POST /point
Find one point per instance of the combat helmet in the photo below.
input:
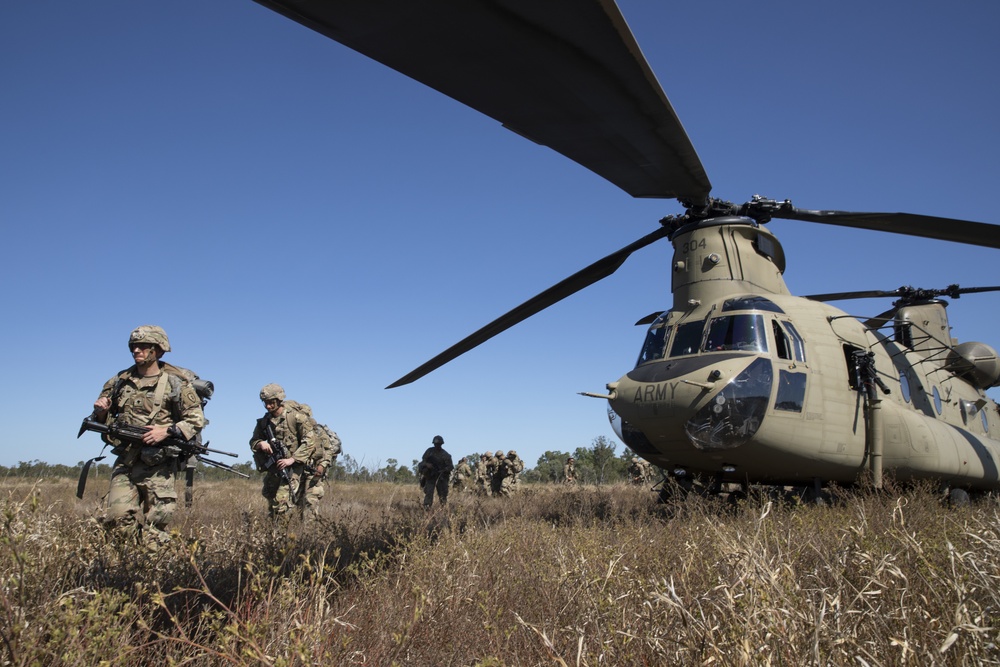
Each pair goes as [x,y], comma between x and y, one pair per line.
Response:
[148,333]
[487,455]
[512,454]
[272,391]
[438,440]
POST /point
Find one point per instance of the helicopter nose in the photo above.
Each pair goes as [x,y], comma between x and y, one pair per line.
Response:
[712,404]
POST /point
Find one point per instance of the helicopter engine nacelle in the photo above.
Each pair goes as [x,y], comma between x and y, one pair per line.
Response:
[976,362]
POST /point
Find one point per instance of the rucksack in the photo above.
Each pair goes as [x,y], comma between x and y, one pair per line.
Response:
[327,437]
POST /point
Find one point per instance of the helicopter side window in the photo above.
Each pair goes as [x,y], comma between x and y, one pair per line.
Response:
[744,333]
[765,246]
[791,391]
[798,347]
[655,344]
[782,346]
[687,338]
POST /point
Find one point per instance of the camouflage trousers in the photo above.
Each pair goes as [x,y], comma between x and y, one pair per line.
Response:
[142,499]
[505,486]
[309,491]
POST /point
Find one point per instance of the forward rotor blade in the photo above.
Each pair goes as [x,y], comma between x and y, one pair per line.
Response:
[599,270]
[840,296]
[567,74]
[910,224]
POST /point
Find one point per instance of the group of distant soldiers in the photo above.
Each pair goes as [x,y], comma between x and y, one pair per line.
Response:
[494,474]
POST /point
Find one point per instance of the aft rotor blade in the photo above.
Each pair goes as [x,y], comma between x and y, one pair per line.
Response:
[599,270]
[910,224]
[880,321]
[568,75]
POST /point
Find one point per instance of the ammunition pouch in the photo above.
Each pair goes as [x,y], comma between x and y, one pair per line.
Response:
[154,456]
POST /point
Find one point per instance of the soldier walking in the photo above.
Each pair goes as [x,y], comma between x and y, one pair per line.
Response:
[158,396]
[569,471]
[292,433]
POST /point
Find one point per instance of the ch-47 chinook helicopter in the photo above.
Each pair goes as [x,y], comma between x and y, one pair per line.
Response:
[739,381]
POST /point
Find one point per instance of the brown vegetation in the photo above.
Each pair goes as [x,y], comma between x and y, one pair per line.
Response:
[582,576]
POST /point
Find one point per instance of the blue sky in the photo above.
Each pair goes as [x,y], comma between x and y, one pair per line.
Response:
[292,212]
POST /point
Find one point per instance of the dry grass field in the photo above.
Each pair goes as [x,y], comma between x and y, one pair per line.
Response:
[555,576]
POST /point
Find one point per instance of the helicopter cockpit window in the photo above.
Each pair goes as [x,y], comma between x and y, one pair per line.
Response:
[655,344]
[743,333]
[686,339]
[751,303]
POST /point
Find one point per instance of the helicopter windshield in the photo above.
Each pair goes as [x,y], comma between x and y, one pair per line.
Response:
[656,342]
[687,339]
[743,333]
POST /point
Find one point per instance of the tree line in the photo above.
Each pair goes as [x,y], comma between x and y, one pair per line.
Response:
[595,464]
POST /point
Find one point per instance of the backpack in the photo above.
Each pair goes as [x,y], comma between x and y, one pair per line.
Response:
[328,439]
[204,389]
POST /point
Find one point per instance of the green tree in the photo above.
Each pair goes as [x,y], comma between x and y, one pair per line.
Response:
[393,472]
[548,470]
[602,458]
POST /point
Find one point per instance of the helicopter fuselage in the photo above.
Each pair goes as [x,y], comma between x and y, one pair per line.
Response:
[744,381]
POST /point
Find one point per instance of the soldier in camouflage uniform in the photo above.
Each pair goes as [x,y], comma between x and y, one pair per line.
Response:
[512,466]
[569,471]
[150,393]
[647,470]
[636,473]
[323,457]
[498,472]
[483,474]
[435,470]
[462,477]
[295,430]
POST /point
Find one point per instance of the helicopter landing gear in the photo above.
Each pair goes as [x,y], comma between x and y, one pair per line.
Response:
[958,498]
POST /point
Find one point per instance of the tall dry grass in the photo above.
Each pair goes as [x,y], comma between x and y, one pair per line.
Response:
[584,576]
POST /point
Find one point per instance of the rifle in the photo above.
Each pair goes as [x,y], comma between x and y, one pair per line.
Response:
[133,435]
[278,452]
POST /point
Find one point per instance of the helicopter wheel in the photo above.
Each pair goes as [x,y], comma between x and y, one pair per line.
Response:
[959,498]
[736,497]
